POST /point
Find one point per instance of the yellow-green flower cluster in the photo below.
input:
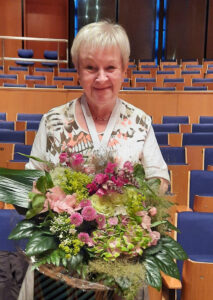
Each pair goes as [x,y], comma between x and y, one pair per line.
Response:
[71,246]
[71,182]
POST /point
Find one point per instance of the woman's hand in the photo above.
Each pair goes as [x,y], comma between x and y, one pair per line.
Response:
[164,184]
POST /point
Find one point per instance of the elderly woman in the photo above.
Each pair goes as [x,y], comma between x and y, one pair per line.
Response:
[99,122]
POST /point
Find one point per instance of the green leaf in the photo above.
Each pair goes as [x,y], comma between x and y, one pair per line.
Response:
[153,249]
[24,229]
[153,276]
[16,184]
[123,283]
[38,201]
[40,243]
[157,223]
[174,248]
[171,226]
[166,264]
[75,260]
[36,158]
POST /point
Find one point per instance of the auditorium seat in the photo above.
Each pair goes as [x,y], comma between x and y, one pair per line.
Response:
[161,75]
[203,82]
[174,155]
[163,89]
[175,68]
[73,87]
[24,149]
[184,62]
[175,119]
[47,72]
[162,138]
[130,70]
[61,81]
[28,117]
[195,68]
[166,127]
[178,83]
[69,72]
[14,85]
[126,82]
[148,83]
[31,80]
[10,136]
[8,78]
[196,238]
[134,88]
[139,74]
[198,139]
[208,159]
[152,68]
[188,75]
[50,55]
[167,62]
[195,88]
[20,71]
[7,125]
[201,190]
[205,120]
[32,125]
[27,54]
[3,116]
[43,86]
[202,128]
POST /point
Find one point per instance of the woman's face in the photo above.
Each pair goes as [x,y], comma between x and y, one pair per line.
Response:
[101,74]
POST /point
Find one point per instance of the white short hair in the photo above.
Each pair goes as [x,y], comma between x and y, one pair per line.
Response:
[101,34]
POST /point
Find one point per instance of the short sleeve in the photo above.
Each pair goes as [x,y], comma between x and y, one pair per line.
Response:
[152,159]
[39,147]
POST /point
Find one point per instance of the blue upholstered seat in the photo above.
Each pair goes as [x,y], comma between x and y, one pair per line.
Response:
[49,54]
[162,138]
[206,119]
[126,88]
[195,88]
[166,127]
[6,125]
[14,85]
[202,128]
[175,119]
[25,53]
[169,88]
[197,139]
[43,86]
[25,149]
[10,136]
[32,125]
[174,155]
[29,117]
[208,157]
[73,87]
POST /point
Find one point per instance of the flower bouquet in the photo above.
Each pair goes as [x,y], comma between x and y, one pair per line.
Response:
[99,226]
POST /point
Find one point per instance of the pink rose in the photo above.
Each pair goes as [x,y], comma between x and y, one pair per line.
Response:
[146,222]
[100,178]
[155,236]
[153,211]
[63,157]
[77,159]
[113,221]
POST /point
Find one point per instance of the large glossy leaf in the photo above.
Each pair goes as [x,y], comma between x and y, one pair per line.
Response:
[153,276]
[174,249]
[166,264]
[16,184]
[40,243]
[24,229]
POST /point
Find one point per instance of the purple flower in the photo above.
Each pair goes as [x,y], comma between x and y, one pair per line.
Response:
[113,221]
[63,157]
[76,219]
[110,168]
[84,237]
[85,202]
[88,213]
[128,165]
[101,221]
[101,178]
[77,159]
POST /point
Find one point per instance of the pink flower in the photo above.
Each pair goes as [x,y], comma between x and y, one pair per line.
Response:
[90,243]
[101,221]
[101,192]
[92,187]
[118,181]
[69,205]
[146,222]
[88,213]
[77,159]
[113,221]
[76,219]
[101,178]
[153,211]
[85,202]
[110,168]
[128,165]
[89,169]
[84,237]
[124,220]
[141,213]
[63,157]
[155,236]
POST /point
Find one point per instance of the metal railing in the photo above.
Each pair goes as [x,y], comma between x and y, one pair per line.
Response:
[58,41]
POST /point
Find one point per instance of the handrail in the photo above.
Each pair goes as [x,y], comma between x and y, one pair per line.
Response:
[58,61]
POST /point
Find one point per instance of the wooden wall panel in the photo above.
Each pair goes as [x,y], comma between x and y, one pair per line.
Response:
[156,104]
[46,19]
[10,25]
[138,18]
[209,46]
[186,20]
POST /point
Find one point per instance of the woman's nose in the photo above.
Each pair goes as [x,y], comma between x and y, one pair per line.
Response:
[101,76]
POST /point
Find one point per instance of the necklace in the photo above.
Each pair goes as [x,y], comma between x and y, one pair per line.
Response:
[101,119]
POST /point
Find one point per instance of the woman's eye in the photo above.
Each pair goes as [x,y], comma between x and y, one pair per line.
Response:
[110,68]
[90,68]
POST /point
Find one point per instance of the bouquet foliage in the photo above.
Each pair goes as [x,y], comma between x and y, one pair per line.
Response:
[102,223]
